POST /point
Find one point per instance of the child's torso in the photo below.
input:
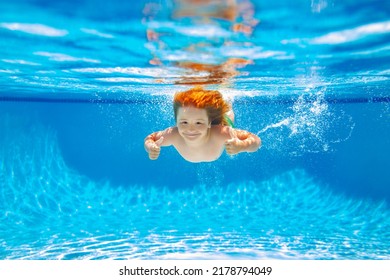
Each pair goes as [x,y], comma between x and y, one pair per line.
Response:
[209,151]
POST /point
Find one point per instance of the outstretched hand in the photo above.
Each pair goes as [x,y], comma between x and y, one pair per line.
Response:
[154,148]
[234,144]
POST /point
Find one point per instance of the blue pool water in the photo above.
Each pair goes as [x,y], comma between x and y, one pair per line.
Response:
[83,82]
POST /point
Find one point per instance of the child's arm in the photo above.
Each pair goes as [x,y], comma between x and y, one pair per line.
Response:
[154,141]
[242,141]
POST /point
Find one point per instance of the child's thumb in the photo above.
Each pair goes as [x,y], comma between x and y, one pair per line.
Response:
[159,141]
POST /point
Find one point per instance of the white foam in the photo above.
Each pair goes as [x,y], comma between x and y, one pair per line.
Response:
[34,28]
[8,71]
[65,57]
[204,31]
[370,52]
[354,34]
[254,53]
[20,61]
[97,33]
[125,80]
[166,72]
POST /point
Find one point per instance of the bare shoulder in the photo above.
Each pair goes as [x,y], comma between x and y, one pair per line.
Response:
[170,134]
[226,132]
[221,132]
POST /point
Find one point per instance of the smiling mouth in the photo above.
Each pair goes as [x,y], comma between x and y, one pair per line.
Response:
[191,136]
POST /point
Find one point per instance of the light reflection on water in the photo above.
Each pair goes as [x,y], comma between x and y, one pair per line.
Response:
[231,43]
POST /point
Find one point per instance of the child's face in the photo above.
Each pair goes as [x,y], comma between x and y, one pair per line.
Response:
[192,123]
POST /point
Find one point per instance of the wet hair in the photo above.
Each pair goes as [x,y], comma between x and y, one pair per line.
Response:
[211,100]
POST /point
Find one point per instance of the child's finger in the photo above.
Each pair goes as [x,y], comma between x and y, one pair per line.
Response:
[155,149]
[159,141]
[232,133]
[153,156]
[229,142]
[154,153]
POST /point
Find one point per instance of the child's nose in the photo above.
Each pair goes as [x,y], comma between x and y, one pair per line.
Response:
[192,127]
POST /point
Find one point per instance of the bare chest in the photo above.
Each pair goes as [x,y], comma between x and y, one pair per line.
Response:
[204,153]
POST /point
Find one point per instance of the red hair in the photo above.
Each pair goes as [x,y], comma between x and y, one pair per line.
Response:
[211,100]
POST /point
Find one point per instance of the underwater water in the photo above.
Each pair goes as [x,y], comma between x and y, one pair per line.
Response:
[82,84]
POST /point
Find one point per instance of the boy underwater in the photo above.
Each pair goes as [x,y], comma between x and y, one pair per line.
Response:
[204,128]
